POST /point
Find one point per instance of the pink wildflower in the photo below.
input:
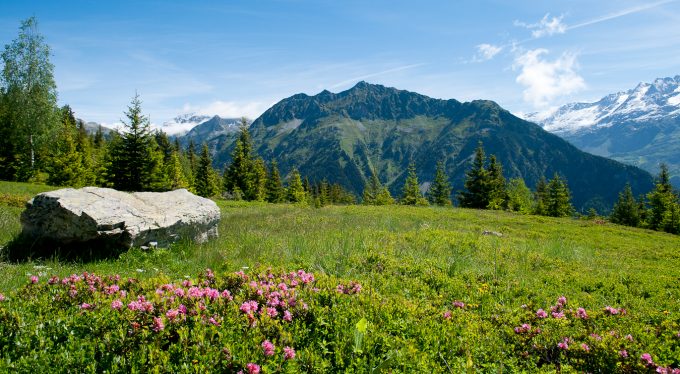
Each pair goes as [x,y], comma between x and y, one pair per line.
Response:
[585,347]
[458,304]
[212,294]
[629,337]
[563,345]
[596,337]
[209,274]
[85,306]
[182,309]
[558,315]
[186,283]
[253,368]
[340,288]
[271,312]
[116,304]
[227,295]
[282,286]
[541,313]
[268,348]
[647,359]
[158,324]
[53,280]
[287,316]
[611,311]
[34,279]
[288,353]
[562,301]
[2,297]
[447,314]
[172,314]
[581,313]
[623,353]
[179,292]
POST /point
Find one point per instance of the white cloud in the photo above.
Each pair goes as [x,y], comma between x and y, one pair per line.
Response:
[486,52]
[546,80]
[547,26]
[228,109]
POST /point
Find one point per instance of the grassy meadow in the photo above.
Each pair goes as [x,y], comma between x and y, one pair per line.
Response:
[436,294]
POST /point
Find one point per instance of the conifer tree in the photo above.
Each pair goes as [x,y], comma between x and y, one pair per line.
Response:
[371,189]
[274,188]
[204,181]
[259,176]
[66,165]
[625,211]
[239,177]
[519,196]
[476,194]
[191,157]
[411,191]
[541,197]
[440,192]
[296,191]
[559,198]
[496,185]
[661,200]
[176,178]
[133,161]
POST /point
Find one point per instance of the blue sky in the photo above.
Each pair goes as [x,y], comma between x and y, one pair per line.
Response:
[236,58]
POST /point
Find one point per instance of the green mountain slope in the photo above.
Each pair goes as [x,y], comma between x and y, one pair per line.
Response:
[340,137]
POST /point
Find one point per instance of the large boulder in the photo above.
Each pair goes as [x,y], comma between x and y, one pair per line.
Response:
[119,219]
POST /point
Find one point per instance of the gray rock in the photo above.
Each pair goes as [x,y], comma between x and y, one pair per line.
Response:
[119,219]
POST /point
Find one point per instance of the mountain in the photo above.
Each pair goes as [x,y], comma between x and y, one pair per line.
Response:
[216,132]
[182,124]
[640,126]
[343,136]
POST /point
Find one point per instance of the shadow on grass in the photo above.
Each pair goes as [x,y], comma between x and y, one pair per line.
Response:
[24,248]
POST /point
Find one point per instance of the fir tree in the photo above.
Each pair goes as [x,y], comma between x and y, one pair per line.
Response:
[296,191]
[259,176]
[541,197]
[204,181]
[496,185]
[372,188]
[238,176]
[191,157]
[559,198]
[66,166]
[411,191]
[519,198]
[476,194]
[275,192]
[661,200]
[176,178]
[625,211]
[133,161]
[440,192]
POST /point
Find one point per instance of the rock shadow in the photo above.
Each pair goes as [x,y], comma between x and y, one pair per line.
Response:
[24,248]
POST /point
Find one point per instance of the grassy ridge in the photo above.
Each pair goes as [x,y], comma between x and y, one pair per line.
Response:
[414,262]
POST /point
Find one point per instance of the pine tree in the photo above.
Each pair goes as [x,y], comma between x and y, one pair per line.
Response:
[372,188]
[28,104]
[66,166]
[519,196]
[625,211]
[661,200]
[496,185]
[440,192]
[274,188]
[191,157]
[559,198]
[238,176]
[259,176]
[296,192]
[541,197]
[411,191]
[476,194]
[133,160]
[204,181]
[176,178]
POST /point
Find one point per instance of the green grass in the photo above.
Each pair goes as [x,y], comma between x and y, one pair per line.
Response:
[410,258]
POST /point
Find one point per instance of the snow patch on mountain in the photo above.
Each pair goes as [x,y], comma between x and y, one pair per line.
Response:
[648,101]
[183,123]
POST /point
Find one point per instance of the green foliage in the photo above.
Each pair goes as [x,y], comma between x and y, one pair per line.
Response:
[663,205]
[519,195]
[296,191]
[558,202]
[476,194]
[375,193]
[240,175]
[440,191]
[174,172]
[541,197]
[626,210]
[496,185]
[259,175]
[28,104]
[69,164]
[275,193]
[410,193]
[135,159]
[205,181]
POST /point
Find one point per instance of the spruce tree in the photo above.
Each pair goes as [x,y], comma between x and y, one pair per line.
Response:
[66,164]
[541,197]
[176,178]
[275,192]
[259,184]
[476,194]
[372,188]
[238,176]
[440,192]
[133,161]
[559,198]
[661,200]
[411,191]
[296,191]
[625,211]
[519,196]
[496,185]
[204,182]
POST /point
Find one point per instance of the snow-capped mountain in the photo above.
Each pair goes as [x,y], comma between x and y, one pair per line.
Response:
[183,123]
[657,101]
[640,126]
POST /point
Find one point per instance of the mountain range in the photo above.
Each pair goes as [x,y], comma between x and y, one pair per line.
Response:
[342,137]
[640,126]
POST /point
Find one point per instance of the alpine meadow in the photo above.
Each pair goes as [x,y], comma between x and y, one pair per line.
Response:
[366,230]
